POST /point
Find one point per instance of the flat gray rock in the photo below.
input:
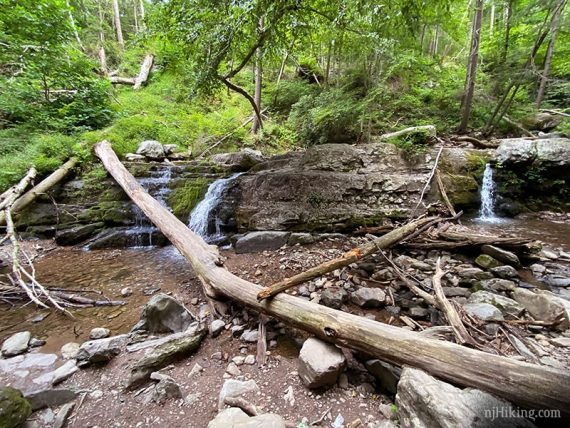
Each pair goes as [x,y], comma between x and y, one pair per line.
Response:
[164,314]
[484,311]
[366,297]
[236,388]
[100,351]
[99,333]
[255,242]
[50,397]
[507,306]
[16,344]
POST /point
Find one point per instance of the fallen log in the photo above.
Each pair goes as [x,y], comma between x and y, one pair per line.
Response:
[145,71]
[384,241]
[46,184]
[8,198]
[428,131]
[118,80]
[480,144]
[524,384]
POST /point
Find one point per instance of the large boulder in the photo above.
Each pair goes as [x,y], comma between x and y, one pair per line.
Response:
[540,152]
[425,402]
[14,408]
[385,373]
[320,363]
[544,307]
[542,121]
[255,242]
[238,161]
[152,150]
[16,344]
[164,314]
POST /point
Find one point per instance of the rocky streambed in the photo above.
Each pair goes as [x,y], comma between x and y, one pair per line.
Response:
[292,387]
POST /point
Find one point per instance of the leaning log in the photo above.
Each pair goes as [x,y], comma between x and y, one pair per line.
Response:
[427,131]
[118,80]
[144,72]
[46,184]
[522,383]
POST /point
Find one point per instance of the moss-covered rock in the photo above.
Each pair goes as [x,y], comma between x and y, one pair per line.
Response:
[186,196]
[14,408]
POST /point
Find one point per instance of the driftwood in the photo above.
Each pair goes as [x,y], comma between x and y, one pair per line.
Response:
[10,196]
[454,240]
[443,193]
[46,184]
[522,383]
[433,170]
[347,258]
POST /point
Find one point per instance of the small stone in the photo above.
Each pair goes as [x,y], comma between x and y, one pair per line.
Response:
[537,268]
[69,350]
[334,297]
[35,343]
[486,261]
[368,297]
[216,327]
[507,306]
[96,395]
[195,370]
[238,360]
[233,369]
[484,311]
[250,359]
[418,312]
[505,272]
[237,330]
[236,388]
[498,284]
[16,344]
[250,336]
[126,292]
[563,342]
[99,333]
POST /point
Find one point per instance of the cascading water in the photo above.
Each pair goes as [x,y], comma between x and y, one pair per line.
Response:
[487,211]
[157,186]
[200,215]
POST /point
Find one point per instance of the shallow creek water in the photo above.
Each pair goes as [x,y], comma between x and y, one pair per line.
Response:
[108,271]
[146,270]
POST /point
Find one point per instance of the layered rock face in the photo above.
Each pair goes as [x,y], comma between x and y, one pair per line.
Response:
[533,174]
[338,187]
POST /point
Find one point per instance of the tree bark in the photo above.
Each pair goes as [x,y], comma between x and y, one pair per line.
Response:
[522,383]
[146,66]
[75,33]
[118,80]
[549,52]
[118,29]
[257,121]
[31,195]
[471,68]
[492,20]
[508,13]
[101,50]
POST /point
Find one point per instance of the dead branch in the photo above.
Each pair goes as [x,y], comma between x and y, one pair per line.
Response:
[443,194]
[428,180]
[347,258]
[476,142]
[8,198]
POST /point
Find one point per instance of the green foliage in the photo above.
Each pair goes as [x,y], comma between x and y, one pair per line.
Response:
[330,117]
[287,93]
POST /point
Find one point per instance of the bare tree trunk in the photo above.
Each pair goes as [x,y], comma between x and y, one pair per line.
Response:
[471,68]
[435,41]
[549,52]
[508,14]
[328,64]
[522,383]
[141,10]
[135,16]
[146,66]
[257,124]
[101,52]
[75,33]
[118,29]
[492,20]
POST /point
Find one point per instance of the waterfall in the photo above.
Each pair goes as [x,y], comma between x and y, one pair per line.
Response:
[487,211]
[200,216]
[157,185]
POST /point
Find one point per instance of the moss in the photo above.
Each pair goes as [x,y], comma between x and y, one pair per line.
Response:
[184,198]
[14,409]
[461,189]
[476,163]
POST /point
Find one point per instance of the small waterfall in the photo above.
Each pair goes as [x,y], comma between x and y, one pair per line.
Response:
[200,216]
[487,211]
[157,186]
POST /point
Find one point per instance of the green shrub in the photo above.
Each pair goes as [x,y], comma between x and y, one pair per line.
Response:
[288,93]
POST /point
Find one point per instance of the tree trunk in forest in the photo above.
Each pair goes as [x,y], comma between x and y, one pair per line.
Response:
[118,80]
[549,52]
[508,14]
[141,10]
[471,68]
[118,29]
[31,195]
[257,124]
[522,383]
[101,50]
[135,16]
[75,33]
[492,20]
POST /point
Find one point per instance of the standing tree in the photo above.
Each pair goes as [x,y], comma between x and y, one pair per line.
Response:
[257,123]
[467,100]
[549,52]
[118,29]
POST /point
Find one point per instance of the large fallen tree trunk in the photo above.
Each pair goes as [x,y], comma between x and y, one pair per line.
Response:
[46,184]
[523,383]
[145,71]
